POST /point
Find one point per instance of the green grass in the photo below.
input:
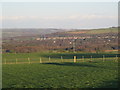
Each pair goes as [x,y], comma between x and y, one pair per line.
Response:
[99,31]
[105,30]
[54,57]
[57,74]
[61,75]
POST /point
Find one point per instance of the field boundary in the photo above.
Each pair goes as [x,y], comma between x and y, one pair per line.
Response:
[58,60]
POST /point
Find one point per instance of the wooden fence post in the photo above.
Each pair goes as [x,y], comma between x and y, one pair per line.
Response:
[29,60]
[40,60]
[74,59]
[49,58]
[83,58]
[116,59]
[61,59]
[103,58]
[91,58]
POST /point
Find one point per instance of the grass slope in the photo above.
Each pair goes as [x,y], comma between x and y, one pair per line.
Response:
[61,75]
[56,55]
[35,57]
[96,31]
[104,30]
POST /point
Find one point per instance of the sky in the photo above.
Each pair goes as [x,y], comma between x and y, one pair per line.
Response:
[66,15]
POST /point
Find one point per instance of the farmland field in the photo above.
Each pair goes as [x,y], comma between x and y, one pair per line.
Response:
[66,74]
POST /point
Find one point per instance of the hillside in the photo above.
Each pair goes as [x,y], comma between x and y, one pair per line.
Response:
[104,30]
[7,33]
[95,31]
[84,32]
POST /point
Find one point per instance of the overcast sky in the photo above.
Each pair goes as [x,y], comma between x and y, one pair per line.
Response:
[67,15]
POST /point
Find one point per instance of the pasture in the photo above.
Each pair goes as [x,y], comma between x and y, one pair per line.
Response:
[55,73]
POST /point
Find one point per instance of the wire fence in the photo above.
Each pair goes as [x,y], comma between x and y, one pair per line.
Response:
[60,59]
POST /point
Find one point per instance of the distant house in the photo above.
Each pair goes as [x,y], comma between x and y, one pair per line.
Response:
[37,38]
[113,36]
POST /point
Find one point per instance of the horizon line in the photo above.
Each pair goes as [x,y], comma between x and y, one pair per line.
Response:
[60,28]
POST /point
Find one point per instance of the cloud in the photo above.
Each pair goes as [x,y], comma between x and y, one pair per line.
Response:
[91,17]
[98,17]
[70,17]
[17,17]
[69,21]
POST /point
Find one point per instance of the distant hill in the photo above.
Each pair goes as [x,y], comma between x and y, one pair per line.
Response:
[83,32]
[6,33]
[103,30]
[95,31]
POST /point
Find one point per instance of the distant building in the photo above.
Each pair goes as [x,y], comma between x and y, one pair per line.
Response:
[37,38]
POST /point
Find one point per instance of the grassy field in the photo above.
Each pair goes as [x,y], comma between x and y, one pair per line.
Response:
[35,57]
[95,74]
[96,31]
[106,30]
